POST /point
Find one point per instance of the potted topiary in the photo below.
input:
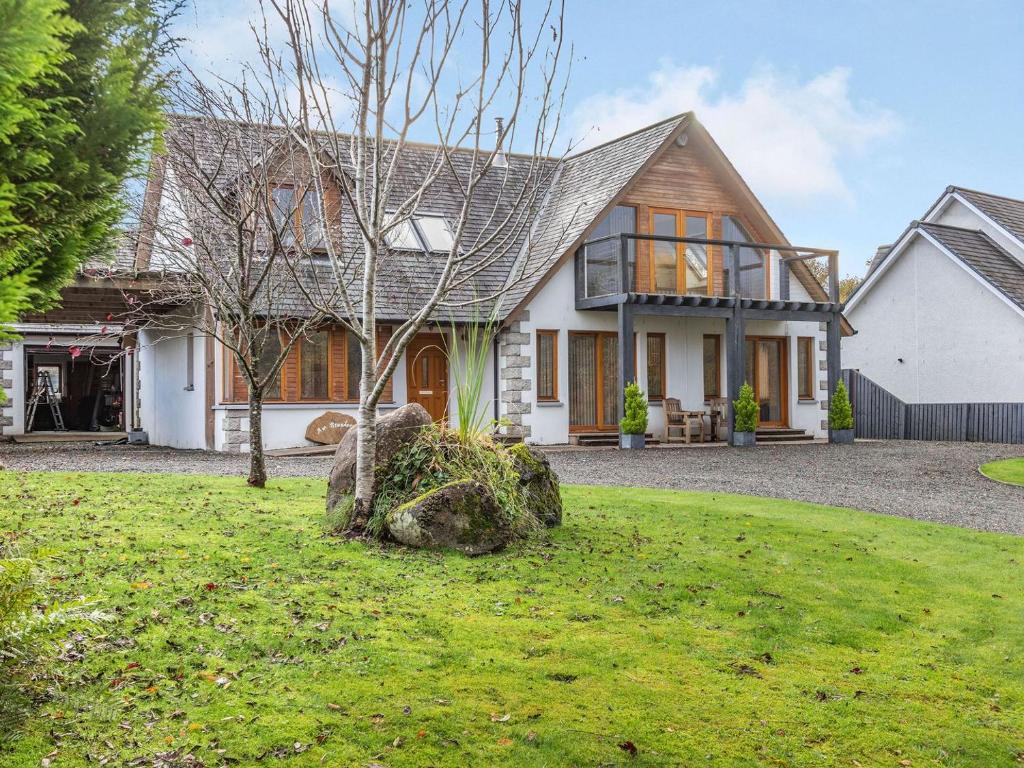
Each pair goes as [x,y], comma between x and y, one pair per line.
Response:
[840,416]
[633,426]
[745,428]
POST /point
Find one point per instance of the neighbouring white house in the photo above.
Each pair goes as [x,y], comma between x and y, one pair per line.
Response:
[940,314]
[650,259]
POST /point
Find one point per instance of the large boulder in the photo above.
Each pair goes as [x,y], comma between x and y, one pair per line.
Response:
[461,515]
[329,427]
[394,430]
[539,483]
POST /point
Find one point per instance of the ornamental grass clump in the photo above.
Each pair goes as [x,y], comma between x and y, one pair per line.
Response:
[635,420]
[746,410]
[840,412]
[468,348]
[439,456]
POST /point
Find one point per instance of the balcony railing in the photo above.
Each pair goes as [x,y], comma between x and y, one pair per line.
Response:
[699,266]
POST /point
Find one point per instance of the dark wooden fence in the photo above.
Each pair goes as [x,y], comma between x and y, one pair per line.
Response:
[879,414]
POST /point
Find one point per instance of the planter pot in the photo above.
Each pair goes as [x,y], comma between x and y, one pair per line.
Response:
[631,441]
[841,436]
[138,437]
[744,439]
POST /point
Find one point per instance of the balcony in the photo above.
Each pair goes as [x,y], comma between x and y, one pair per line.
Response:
[709,274]
[734,280]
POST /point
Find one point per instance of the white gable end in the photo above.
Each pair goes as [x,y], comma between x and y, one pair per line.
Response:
[929,331]
[954,211]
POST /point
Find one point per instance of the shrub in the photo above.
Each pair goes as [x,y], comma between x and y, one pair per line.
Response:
[29,627]
[746,409]
[635,420]
[439,456]
[840,412]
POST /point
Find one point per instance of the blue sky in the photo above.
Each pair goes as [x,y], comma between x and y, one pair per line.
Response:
[847,118]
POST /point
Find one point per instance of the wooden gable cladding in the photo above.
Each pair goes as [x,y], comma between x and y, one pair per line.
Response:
[340,389]
[683,180]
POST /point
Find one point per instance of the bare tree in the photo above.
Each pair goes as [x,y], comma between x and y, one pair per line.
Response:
[241,221]
[355,91]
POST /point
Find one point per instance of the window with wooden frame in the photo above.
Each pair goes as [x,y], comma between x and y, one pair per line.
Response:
[656,366]
[298,215]
[547,366]
[314,365]
[805,367]
[322,366]
[712,366]
[755,276]
[679,268]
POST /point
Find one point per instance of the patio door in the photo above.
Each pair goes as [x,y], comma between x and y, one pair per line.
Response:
[766,373]
[593,381]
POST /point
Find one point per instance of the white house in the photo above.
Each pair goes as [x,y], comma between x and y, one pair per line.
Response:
[940,315]
[650,259]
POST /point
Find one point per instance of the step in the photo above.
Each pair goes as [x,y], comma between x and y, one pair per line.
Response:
[783,435]
[601,438]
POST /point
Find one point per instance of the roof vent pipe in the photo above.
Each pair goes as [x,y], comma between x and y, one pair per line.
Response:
[500,161]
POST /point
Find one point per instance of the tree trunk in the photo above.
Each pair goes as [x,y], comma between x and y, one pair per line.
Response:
[366,455]
[366,443]
[257,462]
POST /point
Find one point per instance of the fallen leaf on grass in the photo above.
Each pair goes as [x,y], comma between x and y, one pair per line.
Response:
[496,718]
[630,747]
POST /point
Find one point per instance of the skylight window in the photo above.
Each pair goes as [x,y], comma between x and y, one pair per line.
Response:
[403,237]
[435,232]
[427,232]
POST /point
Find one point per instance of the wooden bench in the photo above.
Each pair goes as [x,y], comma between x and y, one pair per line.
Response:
[686,424]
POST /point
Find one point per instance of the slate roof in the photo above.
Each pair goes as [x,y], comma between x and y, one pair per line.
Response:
[984,256]
[586,184]
[1005,211]
[406,278]
[123,257]
[572,194]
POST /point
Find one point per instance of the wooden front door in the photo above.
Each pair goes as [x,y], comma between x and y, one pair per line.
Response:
[766,373]
[427,374]
[593,381]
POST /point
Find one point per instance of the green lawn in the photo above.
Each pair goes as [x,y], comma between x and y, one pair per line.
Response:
[696,628]
[1005,470]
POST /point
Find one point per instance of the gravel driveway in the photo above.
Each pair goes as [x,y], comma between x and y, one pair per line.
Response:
[927,481]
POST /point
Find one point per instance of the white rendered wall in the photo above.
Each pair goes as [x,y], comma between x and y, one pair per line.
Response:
[554,309]
[959,342]
[171,414]
[284,424]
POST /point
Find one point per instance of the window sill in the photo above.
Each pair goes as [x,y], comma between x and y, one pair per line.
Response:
[806,401]
[658,403]
[342,406]
[550,404]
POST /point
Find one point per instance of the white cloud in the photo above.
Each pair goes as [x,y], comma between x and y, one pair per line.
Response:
[785,137]
[218,37]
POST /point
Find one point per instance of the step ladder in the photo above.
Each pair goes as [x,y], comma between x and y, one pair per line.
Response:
[43,392]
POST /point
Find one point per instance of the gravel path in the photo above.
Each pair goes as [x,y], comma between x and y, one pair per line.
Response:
[927,481]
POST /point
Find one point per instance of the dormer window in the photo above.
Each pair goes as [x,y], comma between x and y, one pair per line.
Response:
[298,216]
[423,232]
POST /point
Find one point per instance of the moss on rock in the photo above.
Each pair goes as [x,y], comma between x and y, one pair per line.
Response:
[539,484]
[461,515]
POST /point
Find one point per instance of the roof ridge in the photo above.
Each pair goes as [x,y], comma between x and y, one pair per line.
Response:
[406,142]
[958,188]
[674,118]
